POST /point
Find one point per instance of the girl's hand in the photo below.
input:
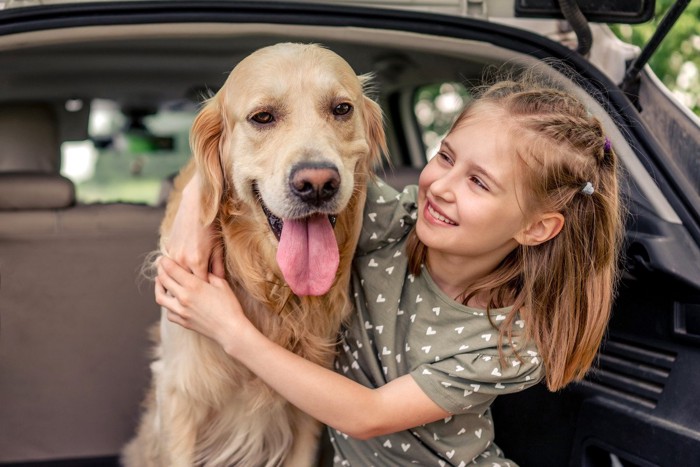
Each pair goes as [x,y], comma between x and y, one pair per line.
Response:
[212,309]
[207,307]
[191,244]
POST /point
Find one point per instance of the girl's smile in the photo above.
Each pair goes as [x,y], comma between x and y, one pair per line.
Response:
[433,214]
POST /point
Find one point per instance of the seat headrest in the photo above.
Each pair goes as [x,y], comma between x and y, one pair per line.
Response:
[30,139]
[35,190]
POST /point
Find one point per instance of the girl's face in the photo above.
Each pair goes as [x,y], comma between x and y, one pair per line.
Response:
[468,198]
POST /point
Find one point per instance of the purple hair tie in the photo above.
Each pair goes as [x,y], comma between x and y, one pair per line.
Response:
[608,145]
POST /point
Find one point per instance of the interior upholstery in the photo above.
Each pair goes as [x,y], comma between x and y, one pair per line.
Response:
[30,137]
[35,190]
[74,334]
[74,310]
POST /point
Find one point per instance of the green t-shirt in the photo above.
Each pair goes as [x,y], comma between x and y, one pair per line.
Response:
[404,324]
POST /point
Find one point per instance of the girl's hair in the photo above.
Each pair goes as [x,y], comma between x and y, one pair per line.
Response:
[563,287]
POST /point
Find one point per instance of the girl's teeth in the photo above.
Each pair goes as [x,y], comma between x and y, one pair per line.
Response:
[439,216]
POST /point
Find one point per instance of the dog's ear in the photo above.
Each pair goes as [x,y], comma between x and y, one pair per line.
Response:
[374,123]
[374,129]
[206,141]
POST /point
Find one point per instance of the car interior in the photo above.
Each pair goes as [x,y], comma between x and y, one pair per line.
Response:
[76,310]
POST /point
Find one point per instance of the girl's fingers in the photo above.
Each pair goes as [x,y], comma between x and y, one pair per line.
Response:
[169,283]
[170,303]
[161,293]
[175,318]
[166,299]
[178,274]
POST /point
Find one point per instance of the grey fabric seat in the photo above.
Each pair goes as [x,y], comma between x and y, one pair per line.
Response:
[29,138]
[74,315]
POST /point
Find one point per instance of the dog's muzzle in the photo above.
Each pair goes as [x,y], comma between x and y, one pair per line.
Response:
[276,224]
[307,251]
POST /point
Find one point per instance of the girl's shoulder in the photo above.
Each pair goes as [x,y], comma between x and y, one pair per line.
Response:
[388,215]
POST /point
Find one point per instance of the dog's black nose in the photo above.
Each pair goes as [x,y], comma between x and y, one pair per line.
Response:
[314,183]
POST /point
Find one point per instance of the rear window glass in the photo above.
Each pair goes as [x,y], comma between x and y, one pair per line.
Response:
[436,106]
[129,153]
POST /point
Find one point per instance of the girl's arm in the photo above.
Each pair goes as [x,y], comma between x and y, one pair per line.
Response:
[212,309]
[191,244]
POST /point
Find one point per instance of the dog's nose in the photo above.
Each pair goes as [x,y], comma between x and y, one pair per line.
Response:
[314,184]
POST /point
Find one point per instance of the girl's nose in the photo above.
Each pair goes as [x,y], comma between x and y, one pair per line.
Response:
[443,187]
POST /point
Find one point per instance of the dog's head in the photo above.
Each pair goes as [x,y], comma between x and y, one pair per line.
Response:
[289,133]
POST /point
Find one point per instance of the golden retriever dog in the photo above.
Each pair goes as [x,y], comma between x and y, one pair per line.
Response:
[284,152]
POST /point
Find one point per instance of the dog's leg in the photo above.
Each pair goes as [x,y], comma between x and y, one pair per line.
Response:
[305,449]
[167,433]
[166,437]
[180,417]
[142,450]
[179,395]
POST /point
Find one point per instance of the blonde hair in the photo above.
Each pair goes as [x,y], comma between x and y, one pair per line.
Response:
[563,287]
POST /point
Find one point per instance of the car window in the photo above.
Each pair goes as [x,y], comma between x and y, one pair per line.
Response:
[676,62]
[130,151]
[436,106]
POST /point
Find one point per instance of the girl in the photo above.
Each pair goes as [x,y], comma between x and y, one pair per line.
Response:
[496,271]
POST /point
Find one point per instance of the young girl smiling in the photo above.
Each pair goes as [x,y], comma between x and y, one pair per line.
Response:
[496,271]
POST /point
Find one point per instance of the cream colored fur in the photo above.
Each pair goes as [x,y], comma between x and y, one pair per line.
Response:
[204,408]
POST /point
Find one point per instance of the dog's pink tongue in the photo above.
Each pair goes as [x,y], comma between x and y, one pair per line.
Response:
[308,255]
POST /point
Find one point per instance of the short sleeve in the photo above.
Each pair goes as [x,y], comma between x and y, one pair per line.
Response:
[388,215]
[469,382]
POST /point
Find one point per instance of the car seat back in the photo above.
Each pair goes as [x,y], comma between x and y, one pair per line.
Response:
[74,313]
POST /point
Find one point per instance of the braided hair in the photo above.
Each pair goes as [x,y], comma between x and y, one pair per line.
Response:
[563,287]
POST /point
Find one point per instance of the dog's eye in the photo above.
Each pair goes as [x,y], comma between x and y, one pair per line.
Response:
[263,118]
[342,109]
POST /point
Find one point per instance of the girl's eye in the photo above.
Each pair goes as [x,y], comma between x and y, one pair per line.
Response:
[478,183]
[342,109]
[263,118]
[444,157]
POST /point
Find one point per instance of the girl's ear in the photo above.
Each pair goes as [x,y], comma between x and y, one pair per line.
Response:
[206,135]
[545,227]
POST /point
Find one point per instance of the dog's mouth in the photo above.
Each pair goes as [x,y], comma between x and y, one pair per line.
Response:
[276,223]
[307,251]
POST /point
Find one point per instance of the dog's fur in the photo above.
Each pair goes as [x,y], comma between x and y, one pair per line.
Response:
[204,408]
